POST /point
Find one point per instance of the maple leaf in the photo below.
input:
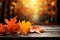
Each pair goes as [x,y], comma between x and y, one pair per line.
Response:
[11,22]
[24,26]
[12,25]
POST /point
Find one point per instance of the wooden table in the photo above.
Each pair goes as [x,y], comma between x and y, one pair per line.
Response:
[50,31]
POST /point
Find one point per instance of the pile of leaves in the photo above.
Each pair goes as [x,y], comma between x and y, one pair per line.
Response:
[21,27]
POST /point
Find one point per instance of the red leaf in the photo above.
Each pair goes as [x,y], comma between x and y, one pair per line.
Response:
[11,22]
[12,26]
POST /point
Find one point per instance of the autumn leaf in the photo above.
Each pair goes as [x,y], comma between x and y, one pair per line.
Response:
[12,25]
[12,21]
[37,29]
[24,26]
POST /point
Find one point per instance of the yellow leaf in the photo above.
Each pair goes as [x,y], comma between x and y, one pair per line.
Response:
[24,26]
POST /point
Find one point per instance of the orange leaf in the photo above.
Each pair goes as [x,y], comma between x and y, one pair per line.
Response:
[11,22]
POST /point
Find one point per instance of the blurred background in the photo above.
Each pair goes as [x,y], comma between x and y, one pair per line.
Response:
[35,11]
